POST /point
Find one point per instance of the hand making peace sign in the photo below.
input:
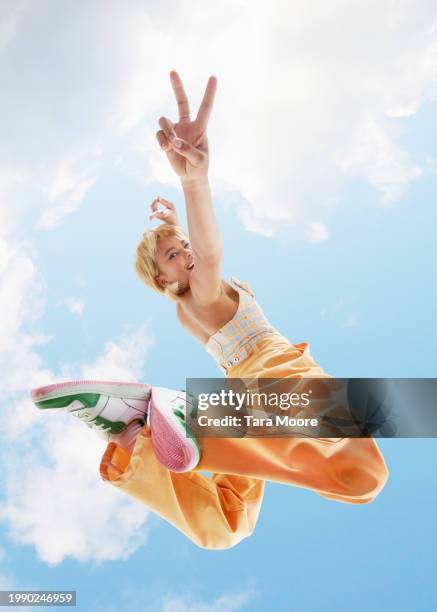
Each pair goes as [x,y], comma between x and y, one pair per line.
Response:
[190,160]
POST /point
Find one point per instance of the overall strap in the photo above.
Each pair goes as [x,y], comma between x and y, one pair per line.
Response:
[238,285]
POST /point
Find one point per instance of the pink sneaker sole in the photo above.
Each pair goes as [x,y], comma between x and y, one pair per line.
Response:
[114,389]
[173,448]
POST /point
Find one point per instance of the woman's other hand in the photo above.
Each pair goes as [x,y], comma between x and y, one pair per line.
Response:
[167,215]
[190,161]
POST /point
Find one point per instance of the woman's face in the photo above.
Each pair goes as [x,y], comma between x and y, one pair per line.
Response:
[175,262]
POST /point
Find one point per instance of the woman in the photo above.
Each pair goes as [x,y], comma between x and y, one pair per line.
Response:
[149,457]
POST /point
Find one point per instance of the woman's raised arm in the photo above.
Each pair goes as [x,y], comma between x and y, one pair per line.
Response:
[186,146]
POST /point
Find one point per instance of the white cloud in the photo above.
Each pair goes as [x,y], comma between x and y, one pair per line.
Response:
[385,166]
[333,85]
[325,82]
[11,15]
[317,232]
[225,603]
[57,460]
[11,181]
[50,476]
[52,159]
[21,304]
[74,305]
[140,599]
[121,360]
[48,506]
[65,193]
[431,164]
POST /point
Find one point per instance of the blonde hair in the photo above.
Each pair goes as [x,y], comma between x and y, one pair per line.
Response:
[145,264]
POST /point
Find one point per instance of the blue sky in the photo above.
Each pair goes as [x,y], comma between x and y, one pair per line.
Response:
[324,188]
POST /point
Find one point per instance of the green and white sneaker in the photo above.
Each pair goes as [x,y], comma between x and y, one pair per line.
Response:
[106,407]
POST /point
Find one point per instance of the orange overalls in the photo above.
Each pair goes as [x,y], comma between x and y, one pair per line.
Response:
[220,511]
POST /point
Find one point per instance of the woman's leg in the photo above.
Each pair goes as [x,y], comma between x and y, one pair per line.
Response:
[214,513]
[218,513]
[350,470]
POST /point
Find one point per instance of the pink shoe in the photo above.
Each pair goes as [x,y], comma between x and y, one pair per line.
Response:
[109,407]
[173,447]
[106,407]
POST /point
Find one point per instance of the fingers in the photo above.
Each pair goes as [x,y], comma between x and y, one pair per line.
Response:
[207,102]
[166,135]
[161,214]
[167,127]
[166,203]
[155,212]
[181,96]
[163,202]
[164,143]
[196,157]
[154,204]
[167,146]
